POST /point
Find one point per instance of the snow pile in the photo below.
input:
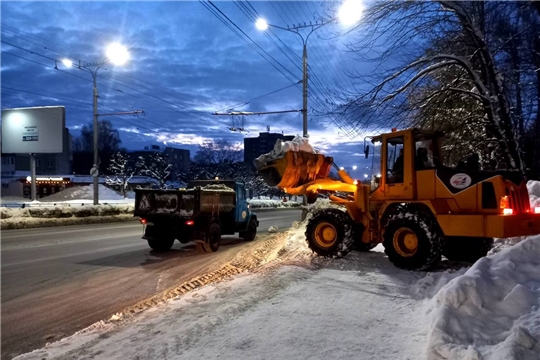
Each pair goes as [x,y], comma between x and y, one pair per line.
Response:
[263,203]
[299,143]
[533,187]
[85,193]
[492,311]
[273,229]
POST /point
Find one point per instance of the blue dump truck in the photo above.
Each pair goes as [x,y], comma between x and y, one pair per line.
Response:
[202,212]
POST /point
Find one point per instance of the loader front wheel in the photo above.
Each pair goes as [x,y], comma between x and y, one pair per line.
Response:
[466,249]
[412,239]
[329,233]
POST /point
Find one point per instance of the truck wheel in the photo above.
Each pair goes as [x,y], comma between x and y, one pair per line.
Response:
[162,244]
[251,232]
[467,249]
[330,233]
[213,239]
[412,240]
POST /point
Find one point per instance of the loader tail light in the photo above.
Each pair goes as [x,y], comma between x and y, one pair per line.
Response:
[190,223]
[537,210]
[504,203]
[143,221]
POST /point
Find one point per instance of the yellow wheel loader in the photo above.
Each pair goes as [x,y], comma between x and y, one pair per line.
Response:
[417,207]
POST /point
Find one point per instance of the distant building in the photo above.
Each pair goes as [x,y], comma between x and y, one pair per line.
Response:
[264,143]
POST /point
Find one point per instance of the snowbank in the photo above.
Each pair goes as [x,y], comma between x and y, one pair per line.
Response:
[263,203]
[85,193]
[491,311]
[31,217]
[533,187]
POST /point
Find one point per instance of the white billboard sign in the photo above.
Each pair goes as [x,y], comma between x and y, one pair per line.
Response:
[33,130]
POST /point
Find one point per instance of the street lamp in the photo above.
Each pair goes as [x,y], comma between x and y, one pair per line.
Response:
[115,54]
[349,13]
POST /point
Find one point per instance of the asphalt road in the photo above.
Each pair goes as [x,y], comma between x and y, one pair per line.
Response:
[56,281]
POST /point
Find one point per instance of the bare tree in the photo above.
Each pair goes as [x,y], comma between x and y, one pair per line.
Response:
[108,137]
[218,152]
[155,166]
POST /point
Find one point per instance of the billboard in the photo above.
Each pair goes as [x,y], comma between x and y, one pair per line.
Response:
[33,130]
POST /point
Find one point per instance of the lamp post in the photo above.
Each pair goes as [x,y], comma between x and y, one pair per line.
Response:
[118,55]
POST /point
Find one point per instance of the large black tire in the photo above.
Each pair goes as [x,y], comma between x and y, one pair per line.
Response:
[467,249]
[251,232]
[162,244]
[330,233]
[213,238]
[358,244]
[412,239]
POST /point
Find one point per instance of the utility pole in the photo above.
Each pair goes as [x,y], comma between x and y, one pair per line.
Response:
[93,69]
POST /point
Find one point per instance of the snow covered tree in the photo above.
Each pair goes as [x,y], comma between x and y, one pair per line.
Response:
[156,166]
[122,170]
[456,68]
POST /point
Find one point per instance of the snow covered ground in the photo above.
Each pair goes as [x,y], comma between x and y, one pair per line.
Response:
[358,307]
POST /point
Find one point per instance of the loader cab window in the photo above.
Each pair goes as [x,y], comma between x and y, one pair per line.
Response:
[425,154]
[394,160]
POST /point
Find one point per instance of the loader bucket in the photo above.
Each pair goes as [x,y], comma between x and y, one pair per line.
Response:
[295,168]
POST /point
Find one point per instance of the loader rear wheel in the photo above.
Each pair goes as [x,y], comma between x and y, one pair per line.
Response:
[412,239]
[466,249]
[213,238]
[162,244]
[329,233]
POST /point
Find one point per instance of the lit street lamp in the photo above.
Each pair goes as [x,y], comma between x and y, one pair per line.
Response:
[349,13]
[117,55]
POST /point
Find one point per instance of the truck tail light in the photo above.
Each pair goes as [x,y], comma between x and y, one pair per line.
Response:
[190,222]
[507,211]
[143,221]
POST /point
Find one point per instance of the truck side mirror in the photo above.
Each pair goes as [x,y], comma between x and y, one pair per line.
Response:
[366,151]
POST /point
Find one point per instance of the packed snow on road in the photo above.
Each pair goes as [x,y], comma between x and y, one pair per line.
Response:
[357,307]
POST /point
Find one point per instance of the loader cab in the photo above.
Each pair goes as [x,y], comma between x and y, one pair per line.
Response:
[403,154]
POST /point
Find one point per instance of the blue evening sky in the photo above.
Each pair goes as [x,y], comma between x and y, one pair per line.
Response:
[185,63]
